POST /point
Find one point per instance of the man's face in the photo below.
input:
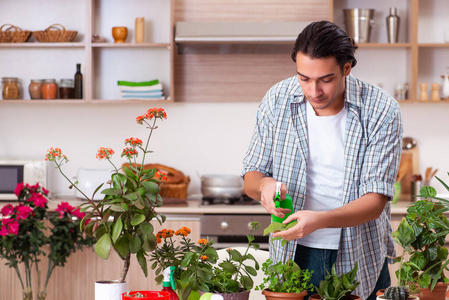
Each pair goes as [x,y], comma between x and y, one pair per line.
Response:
[322,82]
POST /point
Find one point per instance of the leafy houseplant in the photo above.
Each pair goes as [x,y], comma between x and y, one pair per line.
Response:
[285,276]
[24,238]
[422,235]
[335,287]
[122,220]
[198,267]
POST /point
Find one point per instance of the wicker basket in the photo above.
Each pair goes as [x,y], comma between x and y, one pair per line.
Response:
[13,34]
[175,190]
[55,34]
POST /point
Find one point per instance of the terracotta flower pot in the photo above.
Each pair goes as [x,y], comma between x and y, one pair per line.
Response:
[317,297]
[147,295]
[438,293]
[269,295]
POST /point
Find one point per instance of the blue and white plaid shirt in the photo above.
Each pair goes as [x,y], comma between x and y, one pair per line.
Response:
[373,136]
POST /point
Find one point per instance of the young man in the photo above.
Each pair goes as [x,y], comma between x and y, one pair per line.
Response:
[335,143]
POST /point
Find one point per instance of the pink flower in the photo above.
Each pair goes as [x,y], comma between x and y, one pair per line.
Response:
[45,191]
[9,226]
[64,207]
[18,189]
[7,210]
[22,212]
[77,213]
[38,200]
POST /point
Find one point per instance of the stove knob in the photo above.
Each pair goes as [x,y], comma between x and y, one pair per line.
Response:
[224,225]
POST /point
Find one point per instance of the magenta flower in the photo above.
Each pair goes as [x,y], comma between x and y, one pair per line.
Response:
[9,226]
[38,200]
[64,207]
[7,210]
[18,189]
[22,212]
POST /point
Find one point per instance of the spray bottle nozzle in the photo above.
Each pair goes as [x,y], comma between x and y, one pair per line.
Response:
[169,278]
[277,195]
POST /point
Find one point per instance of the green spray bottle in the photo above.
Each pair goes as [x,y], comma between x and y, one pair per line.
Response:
[278,202]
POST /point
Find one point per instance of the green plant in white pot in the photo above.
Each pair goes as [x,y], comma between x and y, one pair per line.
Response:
[122,220]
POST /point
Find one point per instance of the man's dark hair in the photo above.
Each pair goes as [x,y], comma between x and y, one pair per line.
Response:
[325,39]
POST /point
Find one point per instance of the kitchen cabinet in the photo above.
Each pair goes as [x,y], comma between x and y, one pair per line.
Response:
[103,63]
[76,280]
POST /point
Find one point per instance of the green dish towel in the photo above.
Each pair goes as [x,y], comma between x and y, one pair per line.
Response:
[143,83]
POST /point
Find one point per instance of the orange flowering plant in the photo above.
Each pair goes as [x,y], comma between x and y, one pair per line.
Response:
[122,219]
[198,267]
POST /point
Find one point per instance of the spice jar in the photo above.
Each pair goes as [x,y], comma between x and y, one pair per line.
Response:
[66,89]
[10,88]
[35,89]
[49,89]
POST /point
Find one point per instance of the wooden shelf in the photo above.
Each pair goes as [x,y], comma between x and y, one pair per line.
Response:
[130,45]
[42,45]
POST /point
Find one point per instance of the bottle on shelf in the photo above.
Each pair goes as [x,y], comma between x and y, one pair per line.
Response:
[78,94]
[445,85]
[393,25]
[66,89]
[140,30]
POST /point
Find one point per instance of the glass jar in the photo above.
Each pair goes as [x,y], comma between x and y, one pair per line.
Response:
[66,89]
[10,88]
[35,88]
[49,89]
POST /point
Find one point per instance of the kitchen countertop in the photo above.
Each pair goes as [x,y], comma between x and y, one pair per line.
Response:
[195,207]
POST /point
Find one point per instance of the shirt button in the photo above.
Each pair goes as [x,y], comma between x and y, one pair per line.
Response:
[301,196]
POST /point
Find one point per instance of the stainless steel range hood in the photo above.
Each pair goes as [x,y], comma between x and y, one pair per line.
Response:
[234,32]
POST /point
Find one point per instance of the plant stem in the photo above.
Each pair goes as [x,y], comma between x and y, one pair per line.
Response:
[127,261]
[147,144]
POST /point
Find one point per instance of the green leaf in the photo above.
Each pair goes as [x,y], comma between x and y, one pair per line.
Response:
[228,267]
[134,244]
[111,192]
[428,192]
[142,262]
[103,246]
[137,219]
[122,246]
[251,270]
[152,187]
[117,208]
[146,228]
[404,235]
[187,258]
[117,229]
[128,172]
[274,226]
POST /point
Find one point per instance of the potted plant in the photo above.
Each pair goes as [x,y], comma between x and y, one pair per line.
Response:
[28,231]
[122,220]
[146,295]
[396,293]
[284,278]
[335,287]
[422,234]
[198,268]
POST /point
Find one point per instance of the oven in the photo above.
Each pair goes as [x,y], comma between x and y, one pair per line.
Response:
[230,230]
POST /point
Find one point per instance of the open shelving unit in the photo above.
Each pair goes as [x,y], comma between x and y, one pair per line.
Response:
[103,64]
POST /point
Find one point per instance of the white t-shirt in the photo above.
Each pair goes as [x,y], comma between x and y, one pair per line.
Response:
[325,169]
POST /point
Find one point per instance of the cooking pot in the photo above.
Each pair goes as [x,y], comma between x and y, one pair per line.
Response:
[221,186]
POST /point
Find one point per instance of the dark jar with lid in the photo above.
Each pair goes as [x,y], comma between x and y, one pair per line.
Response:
[10,88]
[66,89]
[35,88]
[49,89]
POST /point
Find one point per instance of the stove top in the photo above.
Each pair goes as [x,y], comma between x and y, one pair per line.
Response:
[243,200]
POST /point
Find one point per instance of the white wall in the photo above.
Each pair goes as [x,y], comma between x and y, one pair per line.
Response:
[196,138]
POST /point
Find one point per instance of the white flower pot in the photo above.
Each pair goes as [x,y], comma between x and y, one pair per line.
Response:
[411,297]
[109,290]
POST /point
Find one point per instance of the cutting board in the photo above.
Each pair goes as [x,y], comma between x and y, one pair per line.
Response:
[411,157]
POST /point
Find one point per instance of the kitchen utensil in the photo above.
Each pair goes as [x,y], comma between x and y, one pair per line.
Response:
[408,143]
[359,23]
[404,167]
[221,186]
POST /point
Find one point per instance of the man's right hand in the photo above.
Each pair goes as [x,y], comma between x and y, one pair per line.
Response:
[267,193]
